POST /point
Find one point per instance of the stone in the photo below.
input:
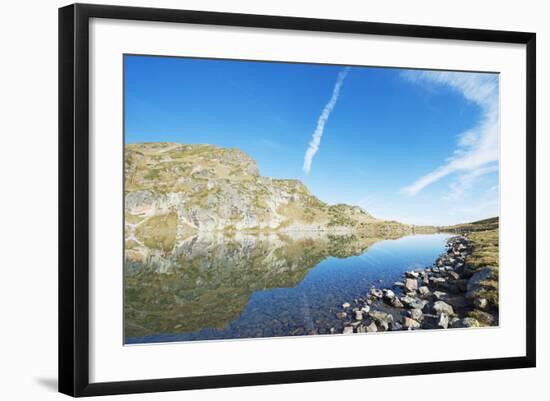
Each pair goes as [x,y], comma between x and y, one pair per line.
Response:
[411,302]
[376,292]
[411,284]
[438,280]
[341,315]
[484,318]
[348,330]
[415,314]
[358,315]
[365,309]
[424,291]
[465,323]
[383,320]
[383,326]
[412,274]
[361,329]
[410,324]
[389,294]
[454,275]
[332,330]
[457,301]
[439,295]
[396,303]
[399,284]
[481,303]
[440,307]
[345,305]
[371,328]
[435,321]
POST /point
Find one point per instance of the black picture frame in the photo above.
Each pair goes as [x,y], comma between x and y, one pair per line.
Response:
[74,198]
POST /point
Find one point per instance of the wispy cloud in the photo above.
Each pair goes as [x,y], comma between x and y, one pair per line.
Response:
[325,114]
[465,181]
[477,149]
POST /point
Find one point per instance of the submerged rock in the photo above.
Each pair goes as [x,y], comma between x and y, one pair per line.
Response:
[376,292]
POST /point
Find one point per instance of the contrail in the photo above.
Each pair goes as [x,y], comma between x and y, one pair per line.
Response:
[318,133]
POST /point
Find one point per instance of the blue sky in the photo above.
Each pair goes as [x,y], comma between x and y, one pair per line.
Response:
[416,146]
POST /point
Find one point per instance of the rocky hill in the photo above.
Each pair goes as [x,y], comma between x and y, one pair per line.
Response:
[173,191]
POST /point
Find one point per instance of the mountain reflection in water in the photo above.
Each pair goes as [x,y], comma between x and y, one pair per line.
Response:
[215,286]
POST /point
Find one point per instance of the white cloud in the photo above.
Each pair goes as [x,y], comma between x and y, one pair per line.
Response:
[465,181]
[325,114]
[477,148]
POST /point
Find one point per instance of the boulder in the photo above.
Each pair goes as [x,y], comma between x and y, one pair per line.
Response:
[441,307]
[358,315]
[465,323]
[411,284]
[412,274]
[439,295]
[388,294]
[438,281]
[383,320]
[413,302]
[365,309]
[409,301]
[399,284]
[424,291]
[454,275]
[376,292]
[415,314]
[484,318]
[435,321]
[348,330]
[345,305]
[481,303]
[410,324]
[395,302]
[371,328]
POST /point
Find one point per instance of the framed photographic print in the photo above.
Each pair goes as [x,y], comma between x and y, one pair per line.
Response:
[250,199]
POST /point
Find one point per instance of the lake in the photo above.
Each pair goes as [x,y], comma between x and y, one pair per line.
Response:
[220,286]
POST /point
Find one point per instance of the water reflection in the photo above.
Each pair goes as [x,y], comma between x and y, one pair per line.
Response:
[243,285]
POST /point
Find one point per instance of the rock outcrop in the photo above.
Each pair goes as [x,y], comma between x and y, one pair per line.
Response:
[174,190]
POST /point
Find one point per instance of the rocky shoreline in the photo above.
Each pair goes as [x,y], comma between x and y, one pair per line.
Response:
[449,294]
